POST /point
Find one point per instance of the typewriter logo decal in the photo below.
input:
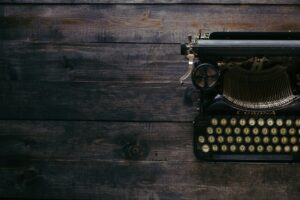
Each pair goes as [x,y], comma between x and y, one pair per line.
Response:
[240,112]
[249,105]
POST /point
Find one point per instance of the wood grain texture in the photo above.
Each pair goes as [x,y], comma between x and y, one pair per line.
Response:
[96,101]
[26,61]
[86,141]
[150,180]
[91,107]
[269,2]
[85,160]
[139,23]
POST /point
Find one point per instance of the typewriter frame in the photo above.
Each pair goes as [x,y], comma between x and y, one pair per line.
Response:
[210,47]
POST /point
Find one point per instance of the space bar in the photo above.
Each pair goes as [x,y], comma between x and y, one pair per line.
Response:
[252,157]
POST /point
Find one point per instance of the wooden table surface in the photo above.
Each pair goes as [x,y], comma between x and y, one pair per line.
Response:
[91,106]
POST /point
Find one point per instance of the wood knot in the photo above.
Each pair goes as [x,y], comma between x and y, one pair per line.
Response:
[136,151]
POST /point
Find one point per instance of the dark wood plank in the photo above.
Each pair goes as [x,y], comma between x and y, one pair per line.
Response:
[106,141]
[42,179]
[85,160]
[96,101]
[292,2]
[139,23]
[28,61]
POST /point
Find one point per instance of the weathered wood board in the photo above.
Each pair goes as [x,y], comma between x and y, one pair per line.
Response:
[268,2]
[46,179]
[96,101]
[26,61]
[139,23]
[90,140]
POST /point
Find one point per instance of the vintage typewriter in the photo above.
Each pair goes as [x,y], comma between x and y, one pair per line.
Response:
[249,87]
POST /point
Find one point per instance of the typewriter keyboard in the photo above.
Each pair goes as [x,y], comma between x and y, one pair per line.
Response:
[261,139]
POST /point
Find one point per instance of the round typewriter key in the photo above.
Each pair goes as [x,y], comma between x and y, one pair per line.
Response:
[209,130]
[223,122]
[224,148]
[255,131]
[219,130]
[288,122]
[228,130]
[297,122]
[248,139]
[269,148]
[232,148]
[246,131]
[201,139]
[284,140]
[265,131]
[215,147]
[279,122]
[278,148]
[270,122]
[293,140]
[266,140]
[220,139]
[211,139]
[275,140]
[260,122]
[295,148]
[242,148]
[233,121]
[283,131]
[239,139]
[260,148]
[273,131]
[251,148]
[229,139]
[257,139]
[292,131]
[205,148]
[214,121]
[242,122]
[251,121]
[287,148]
[237,130]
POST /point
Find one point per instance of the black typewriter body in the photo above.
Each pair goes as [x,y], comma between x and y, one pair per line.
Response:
[249,96]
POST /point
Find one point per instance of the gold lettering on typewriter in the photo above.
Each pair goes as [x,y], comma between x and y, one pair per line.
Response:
[239,112]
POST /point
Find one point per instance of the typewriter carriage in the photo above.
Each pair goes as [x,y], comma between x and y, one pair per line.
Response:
[247,55]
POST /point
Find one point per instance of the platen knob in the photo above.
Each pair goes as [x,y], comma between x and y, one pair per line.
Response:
[205,76]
